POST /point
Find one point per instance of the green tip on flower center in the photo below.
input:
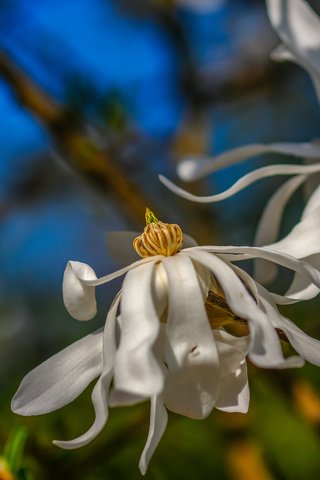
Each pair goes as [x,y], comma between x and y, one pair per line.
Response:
[150,217]
[158,238]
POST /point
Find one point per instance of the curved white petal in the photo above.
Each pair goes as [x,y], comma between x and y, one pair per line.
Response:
[192,382]
[313,202]
[193,168]
[119,273]
[232,350]
[298,27]
[158,424]
[120,247]
[101,390]
[234,395]
[79,299]
[246,253]
[244,181]
[61,378]
[265,349]
[306,346]
[301,288]
[304,238]
[137,370]
[269,225]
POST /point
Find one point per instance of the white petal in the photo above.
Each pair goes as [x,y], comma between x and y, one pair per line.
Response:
[246,253]
[304,238]
[193,168]
[79,282]
[265,349]
[313,203]
[101,390]
[232,350]
[234,395]
[301,288]
[61,378]
[192,382]
[118,273]
[307,347]
[120,246]
[158,424]
[246,180]
[137,370]
[298,27]
[79,299]
[269,226]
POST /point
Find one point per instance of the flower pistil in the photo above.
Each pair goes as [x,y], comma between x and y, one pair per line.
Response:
[158,238]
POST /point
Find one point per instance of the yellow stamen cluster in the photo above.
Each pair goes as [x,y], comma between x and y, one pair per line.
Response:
[158,238]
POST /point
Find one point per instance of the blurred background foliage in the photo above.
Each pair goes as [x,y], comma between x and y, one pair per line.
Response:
[97,97]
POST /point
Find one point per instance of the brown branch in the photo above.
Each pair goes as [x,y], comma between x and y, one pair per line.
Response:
[83,155]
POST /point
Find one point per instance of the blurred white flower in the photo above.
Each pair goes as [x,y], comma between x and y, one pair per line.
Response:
[298,27]
[159,341]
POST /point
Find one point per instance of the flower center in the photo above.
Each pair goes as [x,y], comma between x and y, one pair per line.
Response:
[158,238]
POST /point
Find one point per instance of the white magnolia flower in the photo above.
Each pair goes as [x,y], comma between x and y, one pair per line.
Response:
[299,30]
[166,335]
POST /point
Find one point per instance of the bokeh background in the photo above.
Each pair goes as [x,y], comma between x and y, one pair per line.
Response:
[97,97]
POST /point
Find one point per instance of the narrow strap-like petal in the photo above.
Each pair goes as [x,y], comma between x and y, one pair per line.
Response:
[269,225]
[79,282]
[265,349]
[301,288]
[158,424]
[193,378]
[313,202]
[118,273]
[61,378]
[246,253]
[137,370]
[244,181]
[306,346]
[101,390]
[193,168]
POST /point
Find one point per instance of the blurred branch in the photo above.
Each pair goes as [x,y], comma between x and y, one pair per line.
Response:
[209,86]
[93,163]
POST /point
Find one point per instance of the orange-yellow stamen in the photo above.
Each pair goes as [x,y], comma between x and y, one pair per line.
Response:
[158,238]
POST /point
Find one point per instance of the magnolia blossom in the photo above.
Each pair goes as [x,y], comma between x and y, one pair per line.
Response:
[299,29]
[169,334]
